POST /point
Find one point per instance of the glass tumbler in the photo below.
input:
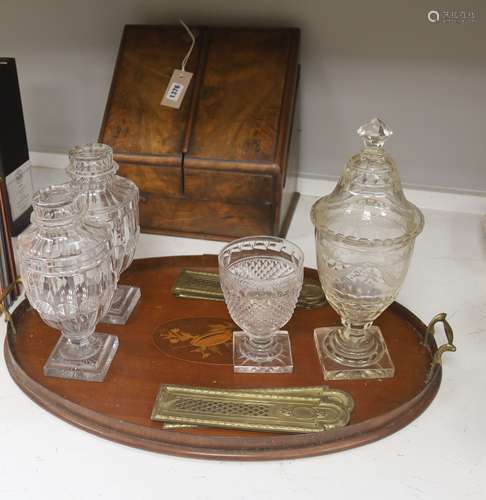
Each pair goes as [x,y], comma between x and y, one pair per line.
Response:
[261,278]
[112,201]
[67,270]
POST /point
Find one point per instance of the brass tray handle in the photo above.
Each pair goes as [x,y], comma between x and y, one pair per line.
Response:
[437,359]
[3,308]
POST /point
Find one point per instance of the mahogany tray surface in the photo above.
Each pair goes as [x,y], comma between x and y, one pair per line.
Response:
[152,353]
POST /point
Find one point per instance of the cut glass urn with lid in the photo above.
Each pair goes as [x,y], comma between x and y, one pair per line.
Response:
[67,270]
[365,232]
[111,201]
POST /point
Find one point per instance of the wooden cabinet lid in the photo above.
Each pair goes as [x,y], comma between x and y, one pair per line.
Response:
[135,123]
[246,96]
[238,107]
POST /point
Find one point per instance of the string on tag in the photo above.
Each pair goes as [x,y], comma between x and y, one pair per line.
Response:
[193,42]
[180,79]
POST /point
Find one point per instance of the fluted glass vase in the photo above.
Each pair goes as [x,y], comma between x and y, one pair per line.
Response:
[365,232]
[67,270]
[111,201]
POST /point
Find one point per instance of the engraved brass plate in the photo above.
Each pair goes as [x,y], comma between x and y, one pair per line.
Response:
[205,285]
[198,285]
[341,397]
[273,410]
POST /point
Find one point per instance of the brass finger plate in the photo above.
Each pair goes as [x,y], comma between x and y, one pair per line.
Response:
[272,410]
[341,397]
[205,285]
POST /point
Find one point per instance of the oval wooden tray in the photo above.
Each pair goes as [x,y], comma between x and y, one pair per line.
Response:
[150,354]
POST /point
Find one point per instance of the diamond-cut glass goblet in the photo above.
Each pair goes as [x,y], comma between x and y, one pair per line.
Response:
[111,200]
[261,278]
[67,270]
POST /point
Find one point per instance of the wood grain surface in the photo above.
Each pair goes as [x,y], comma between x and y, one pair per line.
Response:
[241,95]
[231,142]
[134,121]
[119,408]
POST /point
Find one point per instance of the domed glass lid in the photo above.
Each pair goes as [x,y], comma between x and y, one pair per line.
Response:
[368,204]
[58,236]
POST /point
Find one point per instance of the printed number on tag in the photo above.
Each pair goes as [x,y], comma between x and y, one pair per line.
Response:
[176,89]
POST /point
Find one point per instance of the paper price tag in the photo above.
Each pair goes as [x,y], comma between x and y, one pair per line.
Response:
[20,190]
[176,90]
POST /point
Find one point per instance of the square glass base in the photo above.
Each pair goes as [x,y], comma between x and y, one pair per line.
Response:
[92,368]
[278,361]
[124,301]
[333,370]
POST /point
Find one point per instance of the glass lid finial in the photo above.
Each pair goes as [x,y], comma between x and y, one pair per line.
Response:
[375,133]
